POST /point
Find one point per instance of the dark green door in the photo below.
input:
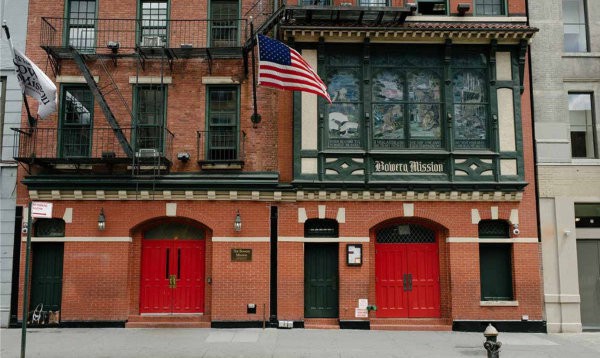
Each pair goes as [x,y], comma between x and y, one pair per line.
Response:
[321,280]
[46,275]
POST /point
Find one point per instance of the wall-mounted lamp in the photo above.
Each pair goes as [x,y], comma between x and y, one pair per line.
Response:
[237,224]
[462,8]
[567,232]
[101,220]
[516,230]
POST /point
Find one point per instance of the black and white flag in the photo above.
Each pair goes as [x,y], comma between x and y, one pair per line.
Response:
[36,84]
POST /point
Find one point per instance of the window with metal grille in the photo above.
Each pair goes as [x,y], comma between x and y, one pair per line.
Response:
[495,262]
[223,121]
[490,7]
[321,228]
[81,24]
[153,21]
[494,229]
[49,228]
[174,231]
[405,234]
[150,116]
[224,23]
[76,118]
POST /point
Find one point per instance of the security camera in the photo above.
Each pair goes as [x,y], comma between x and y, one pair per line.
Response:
[516,230]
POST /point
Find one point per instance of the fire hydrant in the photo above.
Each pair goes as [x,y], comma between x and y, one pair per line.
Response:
[491,345]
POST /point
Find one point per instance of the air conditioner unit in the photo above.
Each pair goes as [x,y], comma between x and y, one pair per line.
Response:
[147,153]
[152,41]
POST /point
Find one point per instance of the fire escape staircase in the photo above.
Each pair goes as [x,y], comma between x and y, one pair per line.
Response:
[100,97]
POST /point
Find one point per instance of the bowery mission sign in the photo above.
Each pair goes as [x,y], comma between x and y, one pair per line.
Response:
[408,167]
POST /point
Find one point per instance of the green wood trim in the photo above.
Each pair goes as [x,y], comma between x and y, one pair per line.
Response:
[138,27]
[67,27]
[136,103]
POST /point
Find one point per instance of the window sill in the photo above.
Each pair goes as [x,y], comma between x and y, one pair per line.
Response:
[580,54]
[208,165]
[499,303]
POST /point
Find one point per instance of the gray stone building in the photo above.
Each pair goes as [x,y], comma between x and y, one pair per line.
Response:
[15,14]
[565,60]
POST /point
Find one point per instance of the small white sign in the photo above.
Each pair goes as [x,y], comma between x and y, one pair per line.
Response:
[41,210]
[363,303]
[361,313]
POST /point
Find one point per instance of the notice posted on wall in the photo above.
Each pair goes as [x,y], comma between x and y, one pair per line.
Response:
[363,303]
[361,313]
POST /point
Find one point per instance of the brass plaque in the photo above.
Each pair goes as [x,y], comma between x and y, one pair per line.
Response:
[241,254]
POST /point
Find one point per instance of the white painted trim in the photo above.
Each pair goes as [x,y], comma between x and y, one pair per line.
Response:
[499,303]
[219,80]
[239,239]
[74,79]
[150,80]
[520,240]
[80,239]
[322,239]
[587,233]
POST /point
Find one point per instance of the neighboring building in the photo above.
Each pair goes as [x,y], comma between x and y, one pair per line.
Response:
[413,192]
[566,91]
[11,100]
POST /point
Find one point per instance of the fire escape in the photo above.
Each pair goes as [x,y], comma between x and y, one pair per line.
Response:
[96,47]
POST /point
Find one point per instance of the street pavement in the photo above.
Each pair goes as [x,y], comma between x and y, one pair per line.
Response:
[292,343]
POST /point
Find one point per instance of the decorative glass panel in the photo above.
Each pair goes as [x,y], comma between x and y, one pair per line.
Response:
[470,109]
[494,229]
[424,113]
[388,121]
[344,120]
[388,85]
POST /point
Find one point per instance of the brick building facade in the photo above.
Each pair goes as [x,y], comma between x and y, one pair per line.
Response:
[409,202]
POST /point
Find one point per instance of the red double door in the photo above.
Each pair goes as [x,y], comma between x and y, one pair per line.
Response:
[172,276]
[407,280]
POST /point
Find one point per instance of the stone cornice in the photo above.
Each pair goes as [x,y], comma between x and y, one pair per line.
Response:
[276,196]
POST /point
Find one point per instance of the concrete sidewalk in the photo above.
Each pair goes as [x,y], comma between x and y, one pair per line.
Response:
[147,343]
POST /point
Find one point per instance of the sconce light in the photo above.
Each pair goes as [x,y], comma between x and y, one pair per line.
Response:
[462,8]
[567,232]
[101,220]
[237,224]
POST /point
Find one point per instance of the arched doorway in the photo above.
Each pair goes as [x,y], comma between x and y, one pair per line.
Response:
[407,272]
[172,271]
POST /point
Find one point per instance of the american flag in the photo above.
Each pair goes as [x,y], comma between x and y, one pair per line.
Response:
[282,67]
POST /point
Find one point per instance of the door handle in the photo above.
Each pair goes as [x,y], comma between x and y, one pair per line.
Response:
[172,281]
[405,282]
[410,281]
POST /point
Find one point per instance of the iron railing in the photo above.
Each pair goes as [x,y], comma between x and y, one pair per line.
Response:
[221,146]
[117,34]
[88,144]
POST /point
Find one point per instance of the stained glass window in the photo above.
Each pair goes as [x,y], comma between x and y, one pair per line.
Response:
[343,118]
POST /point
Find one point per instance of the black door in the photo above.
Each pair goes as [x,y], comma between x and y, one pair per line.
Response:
[46,275]
[321,280]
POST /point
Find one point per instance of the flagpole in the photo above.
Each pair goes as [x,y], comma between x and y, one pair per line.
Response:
[30,118]
[255,116]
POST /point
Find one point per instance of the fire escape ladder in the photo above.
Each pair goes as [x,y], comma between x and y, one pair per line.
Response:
[110,117]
